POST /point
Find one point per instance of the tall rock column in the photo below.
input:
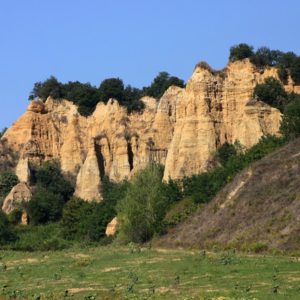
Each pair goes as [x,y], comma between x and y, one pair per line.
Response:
[88,181]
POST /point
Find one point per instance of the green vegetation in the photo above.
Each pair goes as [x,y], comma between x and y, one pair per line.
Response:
[241,51]
[286,62]
[203,187]
[137,273]
[6,231]
[7,181]
[290,125]
[86,96]
[144,206]
[52,192]
[161,83]
[271,92]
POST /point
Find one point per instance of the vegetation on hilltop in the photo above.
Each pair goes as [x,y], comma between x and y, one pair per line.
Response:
[86,96]
[286,62]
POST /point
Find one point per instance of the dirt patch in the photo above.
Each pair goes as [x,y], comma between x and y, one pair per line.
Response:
[112,269]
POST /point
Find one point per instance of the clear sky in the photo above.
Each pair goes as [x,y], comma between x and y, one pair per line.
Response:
[90,40]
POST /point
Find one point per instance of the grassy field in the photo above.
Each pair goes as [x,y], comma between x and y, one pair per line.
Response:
[134,273]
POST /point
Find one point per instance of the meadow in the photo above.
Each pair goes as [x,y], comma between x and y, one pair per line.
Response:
[113,272]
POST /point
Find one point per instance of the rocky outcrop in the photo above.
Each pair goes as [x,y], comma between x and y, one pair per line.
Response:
[19,193]
[182,131]
[23,170]
[112,227]
[89,178]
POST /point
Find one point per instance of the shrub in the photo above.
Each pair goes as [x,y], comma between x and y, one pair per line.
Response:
[6,232]
[179,211]
[39,238]
[240,52]
[161,83]
[15,216]
[203,187]
[7,181]
[225,151]
[88,220]
[50,87]
[141,212]
[290,125]
[44,207]
[283,74]
[50,178]
[295,70]
[272,93]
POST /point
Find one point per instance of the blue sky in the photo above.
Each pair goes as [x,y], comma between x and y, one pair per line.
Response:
[90,40]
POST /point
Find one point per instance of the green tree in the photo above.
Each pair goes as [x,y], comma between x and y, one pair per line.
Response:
[272,93]
[111,88]
[141,212]
[50,87]
[263,57]
[295,71]
[161,83]
[290,125]
[240,51]
[6,232]
[225,151]
[7,181]
[50,178]
[44,207]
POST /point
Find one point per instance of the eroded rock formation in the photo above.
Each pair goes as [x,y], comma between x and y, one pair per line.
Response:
[181,131]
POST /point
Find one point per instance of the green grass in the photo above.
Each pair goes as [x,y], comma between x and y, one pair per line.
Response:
[131,273]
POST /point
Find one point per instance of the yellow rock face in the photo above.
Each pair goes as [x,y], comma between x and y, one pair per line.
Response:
[181,131]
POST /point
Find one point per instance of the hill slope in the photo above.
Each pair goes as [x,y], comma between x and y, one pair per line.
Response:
[259,209]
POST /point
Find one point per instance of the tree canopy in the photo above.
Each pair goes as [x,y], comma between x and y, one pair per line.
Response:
[86,96]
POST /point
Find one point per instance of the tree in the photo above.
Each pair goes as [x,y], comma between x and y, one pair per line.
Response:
[111,88]
[141,212]
[295,71]
[225,152]
[50,87]
[44,207]
[290,125]
[161,83]
[50,178]
[263,57]
[272,93]
[6,232]
[7,181]
[240,51]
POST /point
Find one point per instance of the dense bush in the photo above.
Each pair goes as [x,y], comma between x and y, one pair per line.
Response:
[271,92]
[7,181]
[52,192]
[240,51]
[87,221]
[141,212]
[290,126]
[295,70]
[203,187]
[50,178]
[39,238]
[44,207]
[86,96]
[6,232]
[161,83]
[225,151]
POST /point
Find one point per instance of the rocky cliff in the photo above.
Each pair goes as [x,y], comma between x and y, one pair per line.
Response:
[181,131]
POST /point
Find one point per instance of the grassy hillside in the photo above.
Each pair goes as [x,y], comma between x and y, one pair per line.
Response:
[134,273]
[259,210]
